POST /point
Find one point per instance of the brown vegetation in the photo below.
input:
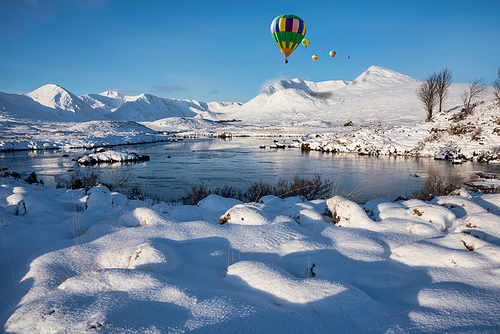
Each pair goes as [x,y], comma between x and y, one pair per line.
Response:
[307,189]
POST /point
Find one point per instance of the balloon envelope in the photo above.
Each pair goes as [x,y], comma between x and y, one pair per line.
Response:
[332,53]
[314,57]
[288,31]
[306,42]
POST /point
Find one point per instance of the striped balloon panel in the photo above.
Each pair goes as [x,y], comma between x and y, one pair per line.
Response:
[287,41]
[288,24]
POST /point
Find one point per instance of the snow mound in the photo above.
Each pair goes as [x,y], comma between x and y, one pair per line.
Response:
[139,217]
[275,281]
[217,203]
[346,212]
[245,214]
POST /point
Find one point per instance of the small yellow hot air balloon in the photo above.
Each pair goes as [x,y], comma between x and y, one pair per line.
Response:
[306,42]
[314,57]
[332,53]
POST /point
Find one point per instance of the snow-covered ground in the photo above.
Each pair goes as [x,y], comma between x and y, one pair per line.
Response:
[76,261]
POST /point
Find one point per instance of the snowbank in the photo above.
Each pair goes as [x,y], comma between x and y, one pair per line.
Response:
[75,261]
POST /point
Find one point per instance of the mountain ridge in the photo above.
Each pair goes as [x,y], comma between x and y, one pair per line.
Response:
[293,101]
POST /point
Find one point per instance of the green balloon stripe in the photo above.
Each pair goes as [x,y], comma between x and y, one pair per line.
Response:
[275,37]
[297,38]
[287,37]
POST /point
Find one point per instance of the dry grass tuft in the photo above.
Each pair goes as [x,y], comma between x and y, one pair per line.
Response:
[469,247]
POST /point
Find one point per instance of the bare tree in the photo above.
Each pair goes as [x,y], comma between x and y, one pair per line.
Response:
[469,97]
[496,86]
[443,83]
[427,93]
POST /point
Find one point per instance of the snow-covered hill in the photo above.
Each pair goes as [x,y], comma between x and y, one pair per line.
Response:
[378,94]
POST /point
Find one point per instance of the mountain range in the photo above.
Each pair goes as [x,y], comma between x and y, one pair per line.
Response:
[378,94]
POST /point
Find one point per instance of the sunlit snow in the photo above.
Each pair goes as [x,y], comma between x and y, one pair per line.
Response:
[78,261]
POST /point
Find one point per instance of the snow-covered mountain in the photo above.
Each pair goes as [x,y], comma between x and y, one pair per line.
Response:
[63,102]
[147,107]
[378,94]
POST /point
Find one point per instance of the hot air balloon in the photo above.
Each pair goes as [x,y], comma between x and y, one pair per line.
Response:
[306,42]
[314,57]
[288,31]
[348,57]
[332,53]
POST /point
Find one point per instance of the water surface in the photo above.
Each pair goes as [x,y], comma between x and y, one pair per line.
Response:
[177,166]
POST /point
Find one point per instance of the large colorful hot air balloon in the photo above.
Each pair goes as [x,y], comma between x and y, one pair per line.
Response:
[332,53]
[314,57]
[288,31]
[306,42]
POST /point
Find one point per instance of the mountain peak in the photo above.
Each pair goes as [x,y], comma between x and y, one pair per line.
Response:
[379,75]
[51,95]
[284,84]
[112,93]
[47,89]
[54,96]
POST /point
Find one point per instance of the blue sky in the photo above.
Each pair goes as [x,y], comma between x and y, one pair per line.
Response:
[223,50]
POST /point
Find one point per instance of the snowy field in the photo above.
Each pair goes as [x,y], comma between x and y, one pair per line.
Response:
[76,261]
[97,262]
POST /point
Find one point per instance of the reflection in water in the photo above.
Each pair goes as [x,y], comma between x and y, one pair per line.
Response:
[176,167]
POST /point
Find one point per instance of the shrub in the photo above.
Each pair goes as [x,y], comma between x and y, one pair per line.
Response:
[308,189]
[435,186]
[259,189]
[15,175]
[476,133]
[79,180]
[196,194]
[460,116]
[119,178]
[434,136]
[135,193]
[458,129]
[33,179]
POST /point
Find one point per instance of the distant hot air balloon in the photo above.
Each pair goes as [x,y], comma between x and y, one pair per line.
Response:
[314,57]
[332,53]
[288,31]
[348,57]
[322,47]
[306,42]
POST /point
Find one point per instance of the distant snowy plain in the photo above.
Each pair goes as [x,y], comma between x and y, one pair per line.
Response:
[76,261]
